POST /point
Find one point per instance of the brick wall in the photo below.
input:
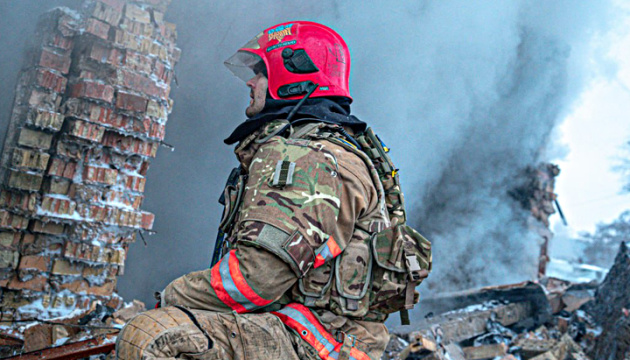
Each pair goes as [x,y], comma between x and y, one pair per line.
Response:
[89,114]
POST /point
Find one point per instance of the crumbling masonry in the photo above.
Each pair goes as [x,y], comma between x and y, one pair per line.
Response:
[90,112]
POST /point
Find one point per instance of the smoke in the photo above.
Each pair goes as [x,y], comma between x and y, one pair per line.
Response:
[466,94]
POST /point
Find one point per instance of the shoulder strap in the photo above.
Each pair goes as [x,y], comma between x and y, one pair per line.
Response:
[376,150]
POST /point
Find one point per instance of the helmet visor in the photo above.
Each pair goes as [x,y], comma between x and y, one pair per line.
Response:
[245,65]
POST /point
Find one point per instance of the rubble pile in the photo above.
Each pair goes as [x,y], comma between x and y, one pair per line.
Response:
[550,320]
[90,111]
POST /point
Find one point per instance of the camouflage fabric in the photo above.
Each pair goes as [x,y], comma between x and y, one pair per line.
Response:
[301,231]
[172,333]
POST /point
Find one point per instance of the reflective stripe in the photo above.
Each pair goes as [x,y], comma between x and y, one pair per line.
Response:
[299,318]
[231,287]
[328,251]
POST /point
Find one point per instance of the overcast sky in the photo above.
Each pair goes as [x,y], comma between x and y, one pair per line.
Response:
[595,133]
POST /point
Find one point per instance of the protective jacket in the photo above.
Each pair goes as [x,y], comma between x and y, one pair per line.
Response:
[309,239]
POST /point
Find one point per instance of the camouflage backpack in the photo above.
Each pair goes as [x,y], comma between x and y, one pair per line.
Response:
[402,257]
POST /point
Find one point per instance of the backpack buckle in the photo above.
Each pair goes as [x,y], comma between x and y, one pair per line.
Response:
[416,273]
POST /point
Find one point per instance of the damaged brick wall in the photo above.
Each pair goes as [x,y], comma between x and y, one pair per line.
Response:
[90,111]
[536,195]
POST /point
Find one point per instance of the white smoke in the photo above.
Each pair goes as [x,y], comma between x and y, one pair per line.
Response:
[466,93]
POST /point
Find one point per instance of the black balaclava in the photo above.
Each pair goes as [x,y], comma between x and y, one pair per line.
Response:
[334,110]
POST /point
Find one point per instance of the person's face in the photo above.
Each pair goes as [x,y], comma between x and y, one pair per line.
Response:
[258,93]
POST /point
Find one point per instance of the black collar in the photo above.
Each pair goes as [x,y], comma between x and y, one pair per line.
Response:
[330,110]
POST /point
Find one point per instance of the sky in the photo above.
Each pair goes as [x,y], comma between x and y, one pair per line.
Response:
[594,134]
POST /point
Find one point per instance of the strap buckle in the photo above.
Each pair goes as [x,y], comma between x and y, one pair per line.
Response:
[416,273]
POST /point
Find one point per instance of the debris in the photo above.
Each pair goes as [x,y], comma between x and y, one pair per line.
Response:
[516,322]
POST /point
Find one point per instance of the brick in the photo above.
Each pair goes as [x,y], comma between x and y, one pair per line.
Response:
[140,83]
[91,253]
[131,102]
[56,186]
[45,119]
[69,149]
[134,183]
[35,139]
[9,220]
[87,193]
[10,240]
[94,271]
[25,158]
[138,62]
[85,130]
[68,23]
[9,259]
[34,262]
[99,175]
[127,40]
[57,206]
[56,40]
[157,110]
[144,168]
[42,99]
[18,200]
[105,12]
[121,199]
[158,50]
[170,33]
[78,286]
[163,72]
[62,168]
[136,13]
[128,144]
[106,54]
[36,283]
[95,212]
[93,90]
[176,55]
[47,227]
[24,181]
[49,79]
[40,244]
[118,5]
[138,28]
[104,290]
[52,60]
[97,28]
[65,267]
[147,220]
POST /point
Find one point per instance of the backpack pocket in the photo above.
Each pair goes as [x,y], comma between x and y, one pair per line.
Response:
[353,270]
[402,259]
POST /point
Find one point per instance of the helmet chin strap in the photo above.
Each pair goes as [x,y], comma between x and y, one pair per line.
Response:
[297,106]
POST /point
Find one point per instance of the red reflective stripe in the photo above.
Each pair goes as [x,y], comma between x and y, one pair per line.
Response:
[241,283]
[334,248]
[217,286]
[310,338]
[313,320]
[319,261]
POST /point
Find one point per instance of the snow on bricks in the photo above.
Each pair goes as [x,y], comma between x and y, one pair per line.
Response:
[89,115]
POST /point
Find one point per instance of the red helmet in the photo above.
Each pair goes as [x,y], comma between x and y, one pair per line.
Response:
[293,55]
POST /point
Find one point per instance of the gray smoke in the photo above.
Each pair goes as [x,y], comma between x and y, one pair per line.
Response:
[466,93]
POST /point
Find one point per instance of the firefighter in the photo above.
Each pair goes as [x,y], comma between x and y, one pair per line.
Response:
[315,251]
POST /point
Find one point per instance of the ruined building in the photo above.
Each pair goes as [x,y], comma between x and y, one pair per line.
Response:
[536,195]
[90,112]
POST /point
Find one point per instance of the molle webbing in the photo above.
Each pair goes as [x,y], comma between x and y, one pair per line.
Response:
[374,148]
